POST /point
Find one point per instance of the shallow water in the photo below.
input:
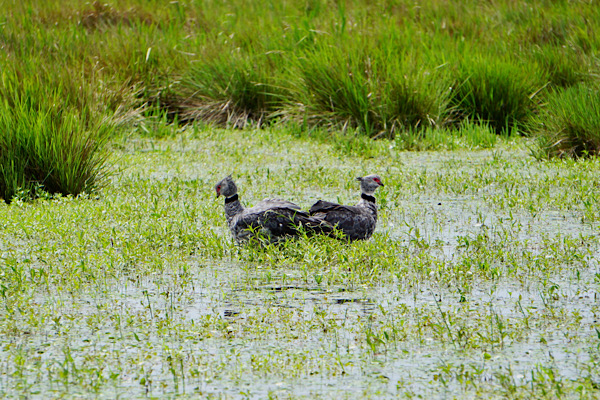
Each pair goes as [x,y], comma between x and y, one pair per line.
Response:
[482,299]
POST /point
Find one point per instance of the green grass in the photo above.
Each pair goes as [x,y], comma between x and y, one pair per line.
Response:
[48,144]
[500,93]
[337,91]
[564,66]
[379,69]
[230,91]
[569,124]
[466,136]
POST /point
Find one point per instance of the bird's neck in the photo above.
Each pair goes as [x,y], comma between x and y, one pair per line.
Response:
[231,199]
[368,202]
[232,207]
[368,197]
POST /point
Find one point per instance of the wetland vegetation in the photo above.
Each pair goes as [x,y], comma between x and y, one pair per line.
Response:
[121,279]
[481,279]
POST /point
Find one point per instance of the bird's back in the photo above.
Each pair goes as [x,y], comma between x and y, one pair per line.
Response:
[274,220]
[355,222]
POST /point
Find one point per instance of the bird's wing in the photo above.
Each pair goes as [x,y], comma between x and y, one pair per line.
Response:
[355,222]
[271,204]
[327,207]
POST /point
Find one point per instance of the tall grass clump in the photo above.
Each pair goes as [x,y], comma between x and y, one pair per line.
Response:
[45,145]
[497,92]
[411,95]
[564,66]
[379,92]
[570,123]
[229,90]
[334,89]
[412,104]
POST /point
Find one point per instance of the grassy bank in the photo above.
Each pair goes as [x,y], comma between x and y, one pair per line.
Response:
[384,68]
[420,74]
[480,280]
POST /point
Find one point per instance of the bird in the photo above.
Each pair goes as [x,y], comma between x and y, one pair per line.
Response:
[270,221]
[354,222]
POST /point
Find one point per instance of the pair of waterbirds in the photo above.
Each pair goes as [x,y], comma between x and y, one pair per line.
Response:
[275,220]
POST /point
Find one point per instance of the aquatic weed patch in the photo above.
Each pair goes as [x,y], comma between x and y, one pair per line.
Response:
[472,284]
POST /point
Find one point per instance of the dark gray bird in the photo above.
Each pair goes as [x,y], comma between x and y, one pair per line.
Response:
[272,220]
[355,222]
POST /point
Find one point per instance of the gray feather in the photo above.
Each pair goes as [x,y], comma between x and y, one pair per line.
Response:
[355,222]
[272,220]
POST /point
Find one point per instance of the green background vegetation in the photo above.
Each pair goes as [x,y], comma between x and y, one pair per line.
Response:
[389,69]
